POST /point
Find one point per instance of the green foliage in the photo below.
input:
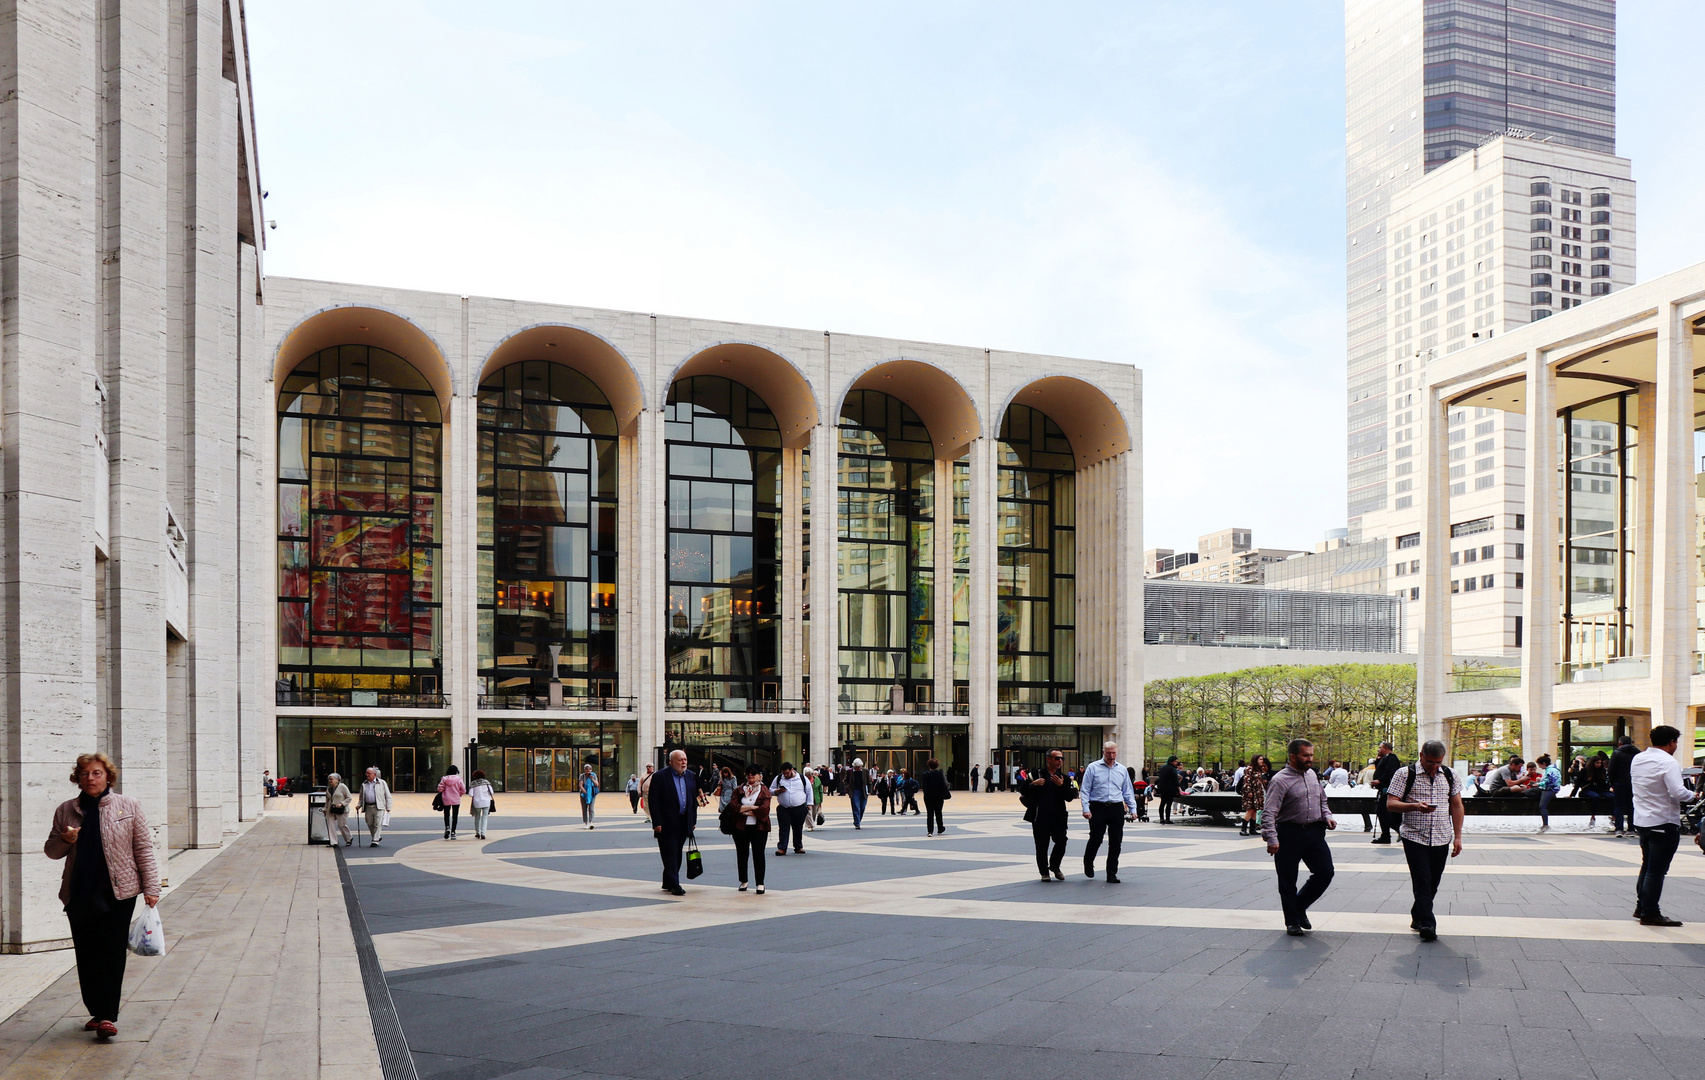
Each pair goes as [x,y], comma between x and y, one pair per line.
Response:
[1347,710]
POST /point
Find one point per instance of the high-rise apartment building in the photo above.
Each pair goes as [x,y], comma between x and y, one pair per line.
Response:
[1426,81]
[1511,232]
[1228,556]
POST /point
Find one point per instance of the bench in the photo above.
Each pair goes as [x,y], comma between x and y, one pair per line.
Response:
[1223,805]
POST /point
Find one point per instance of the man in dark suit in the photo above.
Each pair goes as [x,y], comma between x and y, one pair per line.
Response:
[674,801]
[1047,801]
[1383,770]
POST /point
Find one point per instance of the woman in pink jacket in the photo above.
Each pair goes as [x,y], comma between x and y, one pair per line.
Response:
[111,862]
[450,792]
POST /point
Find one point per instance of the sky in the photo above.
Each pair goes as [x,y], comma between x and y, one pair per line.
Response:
[1154,183]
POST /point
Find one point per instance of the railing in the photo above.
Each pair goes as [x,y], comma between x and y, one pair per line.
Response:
[1476,677]
[360,699]
[542,701]
[1621,667]
[1055,708]
[907,708]
[737,705]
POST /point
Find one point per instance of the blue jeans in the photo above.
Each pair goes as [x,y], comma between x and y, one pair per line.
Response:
[1545,797]
[1622,810]
[859,797]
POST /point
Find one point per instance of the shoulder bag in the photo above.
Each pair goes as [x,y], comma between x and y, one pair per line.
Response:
[695,861]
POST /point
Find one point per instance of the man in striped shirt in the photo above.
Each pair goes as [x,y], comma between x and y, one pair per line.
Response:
[1294,823]
[1430,799]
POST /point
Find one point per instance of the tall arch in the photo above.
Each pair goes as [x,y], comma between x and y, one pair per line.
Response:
[1088,418]
[373,327]
[786,393]
[585,352]
[940,401]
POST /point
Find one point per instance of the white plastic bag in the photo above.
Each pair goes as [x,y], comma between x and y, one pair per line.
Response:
[147,936]
[384,819]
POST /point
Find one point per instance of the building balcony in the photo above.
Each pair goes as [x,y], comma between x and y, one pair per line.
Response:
[1057,708]
[359,699]
[848,706]
[1467,678]
[567,704]
[1621,667]
[737,705]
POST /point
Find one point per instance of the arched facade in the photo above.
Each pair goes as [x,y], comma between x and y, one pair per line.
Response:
[750,543]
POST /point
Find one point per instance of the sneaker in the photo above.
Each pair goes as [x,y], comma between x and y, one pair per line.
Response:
[1619,834]
[1545,828]
[376,841]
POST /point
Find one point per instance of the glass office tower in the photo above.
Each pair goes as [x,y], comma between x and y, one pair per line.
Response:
[1425,81]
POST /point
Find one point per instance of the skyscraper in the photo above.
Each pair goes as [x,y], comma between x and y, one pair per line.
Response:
[1425,81]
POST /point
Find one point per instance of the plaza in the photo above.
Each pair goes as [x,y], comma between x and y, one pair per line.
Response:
[546,952]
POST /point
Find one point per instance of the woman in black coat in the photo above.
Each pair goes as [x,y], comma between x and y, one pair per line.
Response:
[936,792]
[1167,783]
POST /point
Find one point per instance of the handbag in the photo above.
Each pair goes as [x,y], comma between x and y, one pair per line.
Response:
[492,807]
[438,802]
[731,814]
[695,861]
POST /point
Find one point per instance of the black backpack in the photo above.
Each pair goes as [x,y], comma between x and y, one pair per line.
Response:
[1409,784]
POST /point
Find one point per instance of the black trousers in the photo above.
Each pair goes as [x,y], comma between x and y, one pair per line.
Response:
[1426,870]
[451,813]
[1657,848]
[633,800]
[1166,808]
[669,844]
[1387,822]
[791,821]
[750,841]
[1043,832]
[932,815]
[911,802]
[1105,818]
[1302,844]
[101,943]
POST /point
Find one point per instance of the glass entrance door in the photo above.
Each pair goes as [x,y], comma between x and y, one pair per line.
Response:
[325,763]
[515,770]
[541,760]
[566,771]
[402,768]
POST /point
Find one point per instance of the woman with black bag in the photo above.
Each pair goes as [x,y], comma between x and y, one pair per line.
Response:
[337,810]
[747,819]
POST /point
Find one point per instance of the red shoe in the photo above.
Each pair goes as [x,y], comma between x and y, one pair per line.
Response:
[92,1024]
[106,1029]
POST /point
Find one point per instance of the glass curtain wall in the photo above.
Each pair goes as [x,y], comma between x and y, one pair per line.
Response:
[359,432]
[1601,544]
[1035,647]
[724,451]
[547,537]
[886,552]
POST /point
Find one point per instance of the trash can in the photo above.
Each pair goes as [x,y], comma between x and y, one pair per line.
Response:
[317,818]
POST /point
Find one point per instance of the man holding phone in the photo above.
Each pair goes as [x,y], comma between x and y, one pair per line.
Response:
[1430,799]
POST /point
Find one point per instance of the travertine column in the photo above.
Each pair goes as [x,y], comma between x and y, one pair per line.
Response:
[1672,500]
[652,554]
[941,670]
[1541,624]
[793,599]
[825,620]
[1433,667]
[985,504]
[1128,543]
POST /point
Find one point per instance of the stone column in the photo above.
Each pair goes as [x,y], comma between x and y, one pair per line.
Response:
[1434,637]
[941,671]
[1672,499]
[985,502]
[1541,622]
[825,619]
[793,599]
[1128,543]
[651,552]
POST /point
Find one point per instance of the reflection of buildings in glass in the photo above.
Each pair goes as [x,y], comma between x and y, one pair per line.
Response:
[1597,440]
[548,494]
[1037,610]
[358,438]
[724,466]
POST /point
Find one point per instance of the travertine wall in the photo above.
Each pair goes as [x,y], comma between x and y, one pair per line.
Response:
[128,207]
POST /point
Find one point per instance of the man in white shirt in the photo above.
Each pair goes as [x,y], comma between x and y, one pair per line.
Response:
[1338,776]
[793,802]
[1655,776]
[1108,800]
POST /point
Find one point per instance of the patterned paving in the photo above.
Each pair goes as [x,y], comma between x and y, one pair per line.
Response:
[548,951]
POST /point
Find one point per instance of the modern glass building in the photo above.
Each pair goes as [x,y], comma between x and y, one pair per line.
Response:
[573,537]
[1426,81]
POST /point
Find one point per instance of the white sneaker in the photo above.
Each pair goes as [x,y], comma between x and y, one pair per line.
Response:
[1545,828]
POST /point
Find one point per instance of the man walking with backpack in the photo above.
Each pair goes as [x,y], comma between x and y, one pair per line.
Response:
[1429,797]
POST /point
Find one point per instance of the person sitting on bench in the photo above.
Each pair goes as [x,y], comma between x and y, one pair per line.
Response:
[1508,782]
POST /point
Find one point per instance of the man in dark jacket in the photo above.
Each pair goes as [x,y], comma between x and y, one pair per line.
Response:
[674,800]
[1048,801]
[1622,785]
[1383,770]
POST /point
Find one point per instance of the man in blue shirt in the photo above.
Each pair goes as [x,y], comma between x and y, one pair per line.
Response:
[1108,800]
